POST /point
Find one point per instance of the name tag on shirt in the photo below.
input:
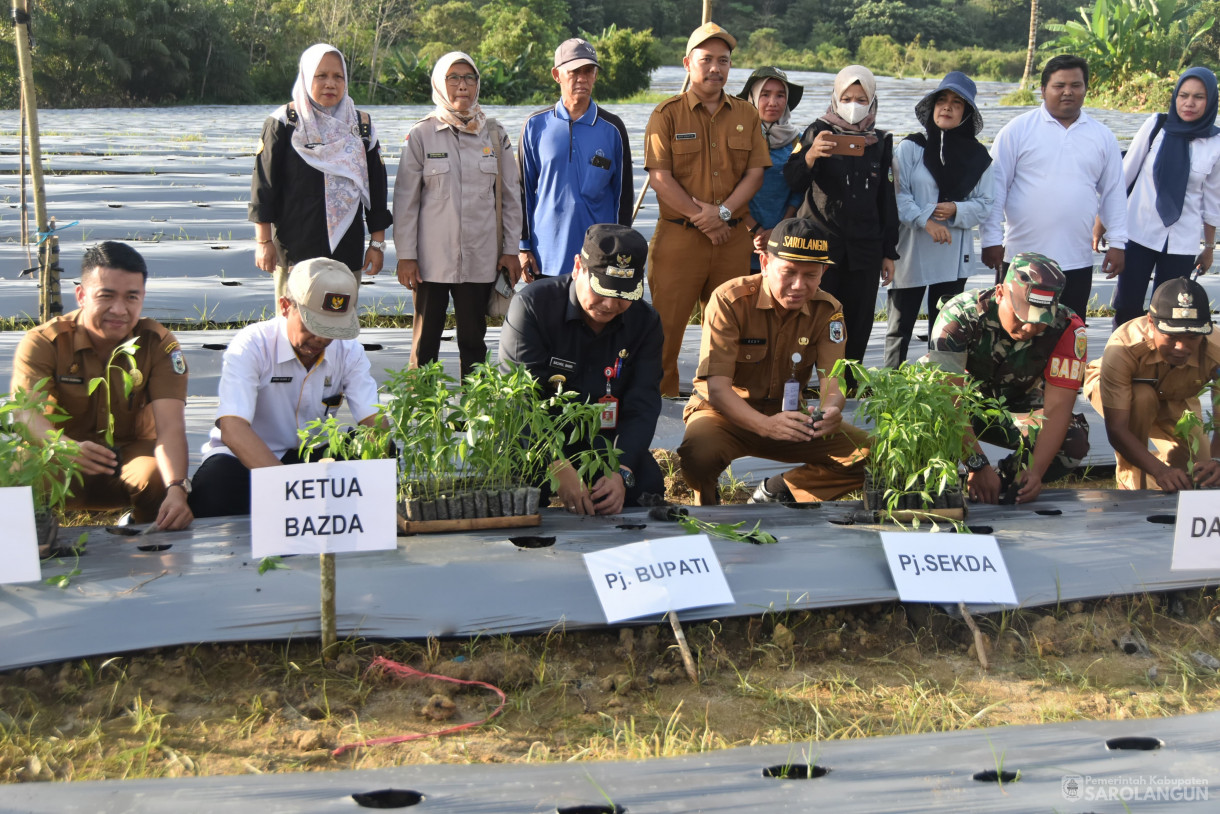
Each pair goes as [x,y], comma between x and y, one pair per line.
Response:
[280,379]
[438,155]
[754,341]
[563,364]
[71,380]
[684,136]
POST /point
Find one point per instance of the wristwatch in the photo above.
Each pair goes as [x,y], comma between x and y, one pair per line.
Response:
[379,245]
[185,483]
[976,462]
[628,476]
[725,214]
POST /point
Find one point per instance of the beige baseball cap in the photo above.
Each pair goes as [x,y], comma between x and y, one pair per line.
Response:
[706,32]
[325,292]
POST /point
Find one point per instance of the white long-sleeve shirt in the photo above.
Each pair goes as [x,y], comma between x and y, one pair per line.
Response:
[1050,182]
[1200,206]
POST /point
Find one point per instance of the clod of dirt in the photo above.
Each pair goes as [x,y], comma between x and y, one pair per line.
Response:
[306,739]
[619,682]
[1133,644]
[1205,660]
[665,675]
[439,708]
[783,638]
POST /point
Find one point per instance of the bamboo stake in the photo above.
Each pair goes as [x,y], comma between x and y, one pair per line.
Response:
[639,201]
[49,302]
[979,643]
[687,659]
[328,605]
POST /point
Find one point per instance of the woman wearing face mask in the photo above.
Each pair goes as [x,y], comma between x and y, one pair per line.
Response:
[852,197]
[1172,172]
[769,90]
[944,190]
[318,174]
[457,213]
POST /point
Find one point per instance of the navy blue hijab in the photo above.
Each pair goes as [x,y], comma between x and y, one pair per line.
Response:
[1171,169]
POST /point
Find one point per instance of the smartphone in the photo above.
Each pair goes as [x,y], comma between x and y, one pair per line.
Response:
[503,287]
[847,145]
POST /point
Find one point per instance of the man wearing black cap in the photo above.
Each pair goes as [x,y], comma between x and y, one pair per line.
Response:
[705,155]
[1021,345]
[575,167]
[591,332]
[764,336]
[1151,373]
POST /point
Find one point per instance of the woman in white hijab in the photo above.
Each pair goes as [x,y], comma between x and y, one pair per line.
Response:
[457,213]
[849,193]
[318,174]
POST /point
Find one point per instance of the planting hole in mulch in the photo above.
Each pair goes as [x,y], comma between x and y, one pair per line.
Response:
[227,282]
[1049,512]
[980,529]
[1163,519]
[593,809]
[214,346]
[1139,743]
[532,542]
[992,776]
[631,526]
[388,798]
[154,546]
[795,771]
[372,347]
[122,531]
[842,520]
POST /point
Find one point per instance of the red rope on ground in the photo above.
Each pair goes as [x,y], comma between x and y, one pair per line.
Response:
[403,671]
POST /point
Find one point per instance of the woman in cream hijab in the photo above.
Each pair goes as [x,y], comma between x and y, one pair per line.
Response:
[851,195]
[457,213]
[318,173]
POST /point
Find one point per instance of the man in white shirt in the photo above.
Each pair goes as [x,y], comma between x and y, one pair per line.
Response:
[1055,170]
[279,375]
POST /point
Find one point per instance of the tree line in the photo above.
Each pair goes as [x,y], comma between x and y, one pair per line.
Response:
[156,52]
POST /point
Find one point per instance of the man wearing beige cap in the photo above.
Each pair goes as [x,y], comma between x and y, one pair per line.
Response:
[1151,373]
[575,167]
[279,375]
[705,154]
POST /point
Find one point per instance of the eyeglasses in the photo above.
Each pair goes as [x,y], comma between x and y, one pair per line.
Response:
[459,78]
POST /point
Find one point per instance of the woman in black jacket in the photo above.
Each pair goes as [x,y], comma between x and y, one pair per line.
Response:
[852,198]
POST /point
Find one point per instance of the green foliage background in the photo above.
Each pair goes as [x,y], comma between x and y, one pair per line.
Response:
[138,52]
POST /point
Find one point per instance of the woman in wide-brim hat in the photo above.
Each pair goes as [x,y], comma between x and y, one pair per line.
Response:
[944,190]
[769,90]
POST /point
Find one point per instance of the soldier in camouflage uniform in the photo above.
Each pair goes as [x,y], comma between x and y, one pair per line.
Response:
[1019,344]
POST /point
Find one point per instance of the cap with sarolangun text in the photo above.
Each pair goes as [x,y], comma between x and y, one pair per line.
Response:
[800,240]
[706,32]
[575,53]
[1180,306]
[1034,283]
[615,256]
[325,292]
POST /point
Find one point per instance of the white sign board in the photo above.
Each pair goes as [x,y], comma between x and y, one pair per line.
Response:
[323,508]
[1196,535]
[657,576]
[931,567]
[19,543]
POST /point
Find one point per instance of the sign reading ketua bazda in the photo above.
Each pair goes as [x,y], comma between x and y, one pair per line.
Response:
[948,568]
[19,543]
[323,508]
[655,577]
[1196,534]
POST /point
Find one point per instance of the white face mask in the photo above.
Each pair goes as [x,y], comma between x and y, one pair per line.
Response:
[852,112]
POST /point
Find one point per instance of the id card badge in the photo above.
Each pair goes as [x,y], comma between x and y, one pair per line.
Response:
[609,412]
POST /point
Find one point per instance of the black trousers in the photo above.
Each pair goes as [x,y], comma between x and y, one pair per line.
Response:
[1133,282]
[221,486]
[648,478]
[856,289]
[904,311]
[469,307]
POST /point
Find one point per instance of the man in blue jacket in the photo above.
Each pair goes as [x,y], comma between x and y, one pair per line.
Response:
[575,167]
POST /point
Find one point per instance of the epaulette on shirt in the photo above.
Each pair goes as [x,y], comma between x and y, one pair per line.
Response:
[671,100]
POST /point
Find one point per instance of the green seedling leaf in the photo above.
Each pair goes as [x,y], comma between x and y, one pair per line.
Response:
[270,564]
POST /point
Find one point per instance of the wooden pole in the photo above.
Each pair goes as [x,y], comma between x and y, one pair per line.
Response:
[639,201]
[328,605]
[687,659]
[49,302]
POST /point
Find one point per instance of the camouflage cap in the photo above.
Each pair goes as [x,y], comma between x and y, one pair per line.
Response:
[1034,283]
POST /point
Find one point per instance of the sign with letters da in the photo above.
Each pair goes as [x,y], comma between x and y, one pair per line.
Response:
[323,508]
[19,543]
[929,567]
[640,579]
[1196,535]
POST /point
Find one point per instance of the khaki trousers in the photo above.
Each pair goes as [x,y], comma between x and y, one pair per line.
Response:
[1148,422]
[832,467]
[137,485]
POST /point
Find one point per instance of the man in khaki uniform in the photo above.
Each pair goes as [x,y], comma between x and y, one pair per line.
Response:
[705,155]
[763,338]
[147,469]
[1151,372]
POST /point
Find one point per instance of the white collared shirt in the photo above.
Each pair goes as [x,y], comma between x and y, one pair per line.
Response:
[1050,182]
[1201,204]
[264,382]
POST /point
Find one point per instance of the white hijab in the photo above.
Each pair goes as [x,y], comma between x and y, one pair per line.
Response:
[471,121]
[328,139]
